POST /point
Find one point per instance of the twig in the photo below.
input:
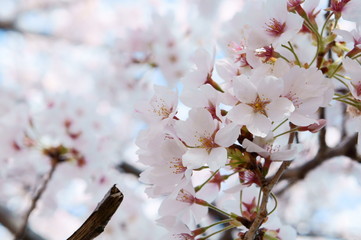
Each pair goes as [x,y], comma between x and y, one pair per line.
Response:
[266,190]
[322,133]
[39,193]
[345,148]
[12,223]
[100,217]
[128,168]
[13,27]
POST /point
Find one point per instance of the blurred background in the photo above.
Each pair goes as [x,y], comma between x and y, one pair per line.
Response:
[71,72]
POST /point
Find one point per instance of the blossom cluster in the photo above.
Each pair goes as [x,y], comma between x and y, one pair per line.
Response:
[277,70]
[66,102]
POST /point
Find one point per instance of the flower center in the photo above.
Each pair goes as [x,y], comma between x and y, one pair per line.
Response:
[160,108]
[294,3]
[338,5]
[275,28]
[259,105]
[239,54]
[294,99]
[272,148]
[177,166]
[184,196]
[207,143]
[266,52]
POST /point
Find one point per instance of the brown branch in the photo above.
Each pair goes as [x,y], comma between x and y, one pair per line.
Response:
[322,133]
[262,212]
[266,191]
[12,223]
[100,217]
[318,235]
[20,234]
[345,148]
[7,25]
[13,27]
[48,6]
[129,168]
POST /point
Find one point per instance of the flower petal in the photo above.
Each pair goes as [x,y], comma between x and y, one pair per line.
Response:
[227,135]
[280,109]
[260,125]
[270,87]
[241,114]
[244,89]
[252,147]
[217,158]
[195,158]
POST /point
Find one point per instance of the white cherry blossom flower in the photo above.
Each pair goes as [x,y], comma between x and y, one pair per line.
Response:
[259,104]
[353,36]
[277,26]
[168,171]
[353,70]
[354,124]
[177,230]
[269,147]
[204,97]
[206,139]
[308,90]
[351,11]
[202,73]
[162,106]
[169,48]
[183,203]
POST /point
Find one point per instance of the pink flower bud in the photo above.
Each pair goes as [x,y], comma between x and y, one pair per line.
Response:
[315,127]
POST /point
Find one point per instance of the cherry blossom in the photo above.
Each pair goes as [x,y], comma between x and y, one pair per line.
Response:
[259,104]
[204,62]
[353,36]
[280,26]
[269,147]
[350,12]
[204,97]
[206,139]
[353,70]
[184,204]
[238,86]
[177,229]
[168,171]
[354,123]
[162,106]
[344,8]
[306,99]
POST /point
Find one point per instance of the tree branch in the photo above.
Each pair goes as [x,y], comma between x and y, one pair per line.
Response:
[262,212]
[128,168]
[12,223]
[345,148]
[39,193]
[100,217]
[322,133]
[12,26]
[267,187]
